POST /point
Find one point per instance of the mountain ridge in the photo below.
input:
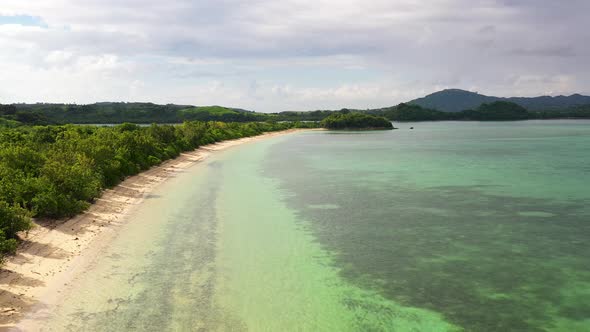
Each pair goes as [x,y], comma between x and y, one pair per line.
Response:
[456,100]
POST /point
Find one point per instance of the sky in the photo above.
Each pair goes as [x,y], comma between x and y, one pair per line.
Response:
[269,55]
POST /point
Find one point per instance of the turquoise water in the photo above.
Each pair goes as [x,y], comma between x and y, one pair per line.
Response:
[447,227]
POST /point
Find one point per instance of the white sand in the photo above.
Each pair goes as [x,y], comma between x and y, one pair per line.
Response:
[54,252]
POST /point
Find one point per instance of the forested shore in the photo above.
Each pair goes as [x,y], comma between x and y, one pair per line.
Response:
[146,113]
[57,171]
[355,121]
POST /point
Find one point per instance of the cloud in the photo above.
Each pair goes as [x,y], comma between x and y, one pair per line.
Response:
[557,51]
[300,54]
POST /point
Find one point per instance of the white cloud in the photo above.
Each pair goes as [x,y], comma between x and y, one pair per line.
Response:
[300,54]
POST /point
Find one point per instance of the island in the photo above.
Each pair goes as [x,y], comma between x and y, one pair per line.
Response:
[356,121]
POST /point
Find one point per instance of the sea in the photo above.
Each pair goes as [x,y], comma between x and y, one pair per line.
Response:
[449,226]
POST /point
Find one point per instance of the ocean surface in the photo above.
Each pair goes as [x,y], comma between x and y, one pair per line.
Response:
[452,226]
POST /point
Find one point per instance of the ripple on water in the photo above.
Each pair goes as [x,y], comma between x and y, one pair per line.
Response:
[537,214]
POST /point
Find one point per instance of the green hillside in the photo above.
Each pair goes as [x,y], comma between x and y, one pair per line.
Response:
[456,100]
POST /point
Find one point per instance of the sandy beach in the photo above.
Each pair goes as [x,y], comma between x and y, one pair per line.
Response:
[54,252]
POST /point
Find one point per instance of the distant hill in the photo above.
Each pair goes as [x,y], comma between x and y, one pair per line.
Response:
[440,106]
[118,112]
[456,100]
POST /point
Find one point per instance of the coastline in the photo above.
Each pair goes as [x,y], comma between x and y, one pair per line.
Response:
[54,252]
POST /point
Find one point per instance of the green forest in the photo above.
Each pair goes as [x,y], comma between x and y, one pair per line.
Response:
[114,113]
[57,171]
[352,121]
[494,111]
[146,113]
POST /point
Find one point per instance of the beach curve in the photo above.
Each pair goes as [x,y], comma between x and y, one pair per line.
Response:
[54,252]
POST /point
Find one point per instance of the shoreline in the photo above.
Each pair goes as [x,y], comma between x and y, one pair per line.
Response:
[54,252]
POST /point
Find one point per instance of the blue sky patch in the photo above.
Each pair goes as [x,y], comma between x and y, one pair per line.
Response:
[25,20]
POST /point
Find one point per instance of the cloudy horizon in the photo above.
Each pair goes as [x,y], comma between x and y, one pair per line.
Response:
[290,55]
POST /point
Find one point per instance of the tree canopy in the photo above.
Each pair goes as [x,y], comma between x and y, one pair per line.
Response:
[497,111]
[354,120]
[57,171]
[116,113]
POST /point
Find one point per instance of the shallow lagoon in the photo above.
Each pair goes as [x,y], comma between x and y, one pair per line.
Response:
[450,226]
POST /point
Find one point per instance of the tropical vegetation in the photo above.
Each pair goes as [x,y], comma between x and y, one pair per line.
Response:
[145,113]
[344,120]
[57,171]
